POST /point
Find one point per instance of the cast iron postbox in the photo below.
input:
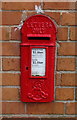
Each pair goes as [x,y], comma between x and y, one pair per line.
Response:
[38,59]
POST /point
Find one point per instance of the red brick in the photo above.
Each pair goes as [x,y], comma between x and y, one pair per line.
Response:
[8,33]
[15,34]
[59,5]
[45,108]
[0,93]
[62,33]
[0,5]
[54,15]
[0,64]
[73,35]
[0,18]
[0,33]
[76,94]
[69,79]
[10,94]
[58,79]
[5,33]
[11,18]
[13,108]
[12,64]
[66,64]
[71,108]
[67,48]
[64,93]
[1,117]
[1,48]
[1,79]
[12,49]
[19,5]
[66,79]
[10,79]
[68,18]
[1,108]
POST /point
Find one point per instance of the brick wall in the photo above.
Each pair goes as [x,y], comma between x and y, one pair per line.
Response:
[64,105]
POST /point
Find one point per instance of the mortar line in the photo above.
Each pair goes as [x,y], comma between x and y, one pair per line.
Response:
[67,25]
[10,72]
[9,56]
[10,41]
[45,10]
[20,72]
[58,56]
[9,25]
[30,115]
[72,56]
[17,10]
[67,56]
[19,41]
[18,86]
[65,108]
[42,4]
[1,63]
[10,101]
[67,41]
[66,71]
[9,86]
[56,101]
[56,23]
[65,86]
[25,108]
[68,34]
[63,11]
[66,101]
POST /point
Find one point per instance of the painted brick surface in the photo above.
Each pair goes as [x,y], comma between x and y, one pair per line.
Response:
[59,6]
[11,64]
[71,108]
[13,108]
[70,47]
[62,64]
[10,49]
[19,5]
[62,33]
[10,79]
[65,94]
[45,108]
[66,79]
[68,19]
[8,18]
[73,35]
[10,94]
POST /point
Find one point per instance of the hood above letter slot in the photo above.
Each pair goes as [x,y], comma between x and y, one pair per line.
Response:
[38,36]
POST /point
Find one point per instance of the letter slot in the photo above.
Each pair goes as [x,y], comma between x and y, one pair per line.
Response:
[38,36]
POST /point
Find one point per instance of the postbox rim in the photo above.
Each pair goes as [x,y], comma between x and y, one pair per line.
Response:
[40,15]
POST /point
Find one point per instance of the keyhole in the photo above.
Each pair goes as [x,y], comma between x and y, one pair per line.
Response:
[26,68]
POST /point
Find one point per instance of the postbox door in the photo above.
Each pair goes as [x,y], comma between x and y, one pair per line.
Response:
[37,74]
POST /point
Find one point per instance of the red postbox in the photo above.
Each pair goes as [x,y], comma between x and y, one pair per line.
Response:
[38,59]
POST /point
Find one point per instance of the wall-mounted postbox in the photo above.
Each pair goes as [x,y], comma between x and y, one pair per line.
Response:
[37,59]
